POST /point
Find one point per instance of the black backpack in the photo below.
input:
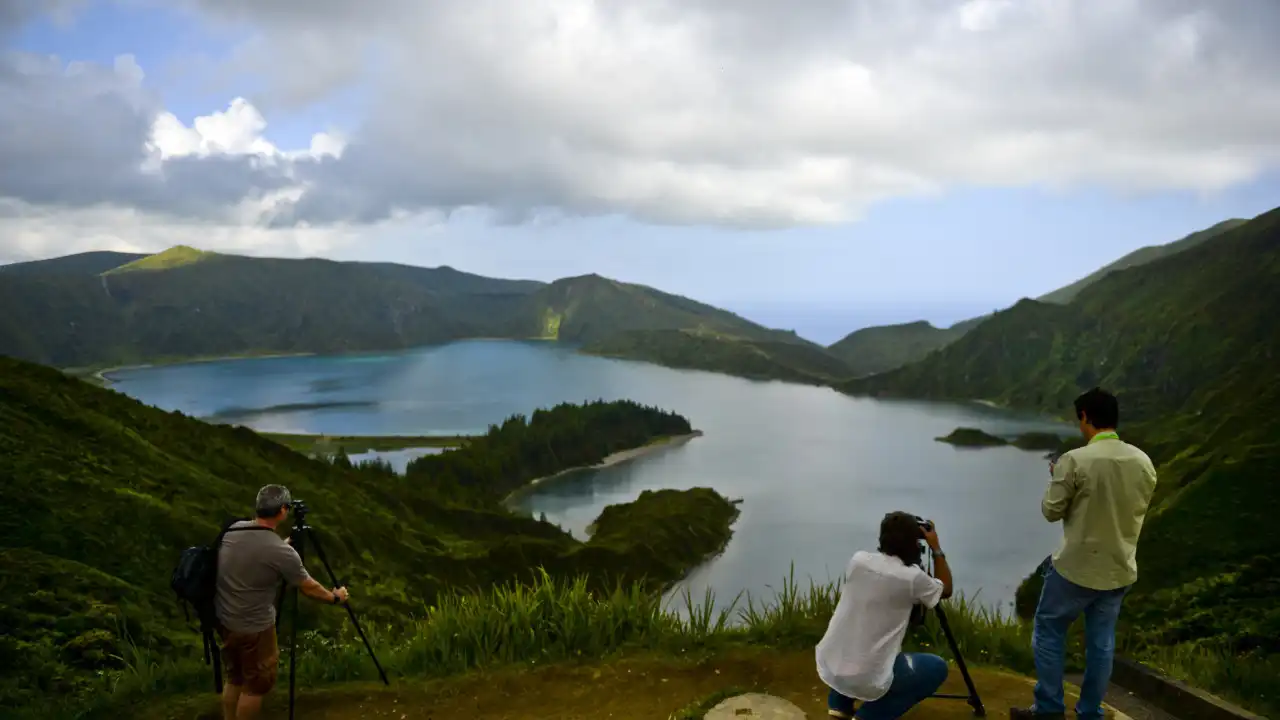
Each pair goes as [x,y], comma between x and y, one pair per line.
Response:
[195,582]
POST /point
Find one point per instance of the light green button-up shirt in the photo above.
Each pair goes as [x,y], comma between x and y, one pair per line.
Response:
[1100,492]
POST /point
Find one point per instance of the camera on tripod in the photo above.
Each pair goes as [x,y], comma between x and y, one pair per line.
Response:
[300,537]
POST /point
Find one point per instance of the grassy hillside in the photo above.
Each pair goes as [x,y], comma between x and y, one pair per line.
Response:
[1141,256]
[231,305]
[703,350]
[87,263]
[101,493]
[882,348]
[877,349]
[184,303]
[1190,344]
[591,308]
[174,257]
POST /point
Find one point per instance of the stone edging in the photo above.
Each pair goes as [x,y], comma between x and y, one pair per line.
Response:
[1174,697]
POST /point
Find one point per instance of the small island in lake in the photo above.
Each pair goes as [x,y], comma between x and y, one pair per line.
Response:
[974,438]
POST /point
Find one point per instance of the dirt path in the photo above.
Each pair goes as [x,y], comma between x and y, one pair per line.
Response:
[651,688]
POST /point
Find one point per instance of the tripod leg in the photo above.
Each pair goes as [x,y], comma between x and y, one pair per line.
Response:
[280,602]
[299,545]
[352,613]
[974,701]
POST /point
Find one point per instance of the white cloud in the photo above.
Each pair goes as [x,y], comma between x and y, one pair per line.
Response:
[746,113]
[28,232]
[980,15]
[89,159]
[238,130]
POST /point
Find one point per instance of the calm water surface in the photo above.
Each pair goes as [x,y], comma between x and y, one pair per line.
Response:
[816,469]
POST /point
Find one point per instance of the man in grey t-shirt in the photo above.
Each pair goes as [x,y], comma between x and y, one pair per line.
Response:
[252,561]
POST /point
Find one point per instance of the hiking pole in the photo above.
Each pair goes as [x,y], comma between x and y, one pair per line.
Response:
[352,613]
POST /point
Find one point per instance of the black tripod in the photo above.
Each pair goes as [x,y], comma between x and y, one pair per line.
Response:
[974,701]
[298,538]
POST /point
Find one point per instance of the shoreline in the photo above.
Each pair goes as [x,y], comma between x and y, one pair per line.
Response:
[358,444]
[617,458]
[100,375]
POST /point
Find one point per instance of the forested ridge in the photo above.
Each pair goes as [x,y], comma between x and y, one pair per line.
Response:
[522,449]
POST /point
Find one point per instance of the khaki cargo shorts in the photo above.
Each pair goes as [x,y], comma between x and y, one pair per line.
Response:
[250,660]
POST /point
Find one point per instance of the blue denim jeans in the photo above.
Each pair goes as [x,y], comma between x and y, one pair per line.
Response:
[1061,602]
[916,676]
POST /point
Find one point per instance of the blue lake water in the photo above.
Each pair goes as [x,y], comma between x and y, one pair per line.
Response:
[398,459]
[816,470]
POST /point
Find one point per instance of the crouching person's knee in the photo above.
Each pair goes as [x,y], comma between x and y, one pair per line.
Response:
[933,670]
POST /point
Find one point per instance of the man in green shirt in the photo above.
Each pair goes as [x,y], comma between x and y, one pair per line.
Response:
[1100,492]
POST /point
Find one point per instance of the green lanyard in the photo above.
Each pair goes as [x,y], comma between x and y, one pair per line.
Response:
[1108,435]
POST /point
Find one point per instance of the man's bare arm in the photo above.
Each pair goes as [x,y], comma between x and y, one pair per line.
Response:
[940,568]
[316,591]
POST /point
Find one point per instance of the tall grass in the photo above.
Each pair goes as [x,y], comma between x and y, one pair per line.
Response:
[552,621]
[1249,679]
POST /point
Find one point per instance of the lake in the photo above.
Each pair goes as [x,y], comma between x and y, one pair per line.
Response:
[816,469]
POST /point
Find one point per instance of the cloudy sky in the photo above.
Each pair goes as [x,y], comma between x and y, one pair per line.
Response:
[819,165]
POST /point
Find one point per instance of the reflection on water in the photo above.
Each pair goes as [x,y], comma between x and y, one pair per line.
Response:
[816,469]
[398,459]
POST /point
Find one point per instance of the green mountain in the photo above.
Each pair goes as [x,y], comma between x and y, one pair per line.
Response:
[1190,344]
[1141,256]
[101,493]
[882,348]
[591,308]
[876,349]
[745,357]
[185,303]
[87,263]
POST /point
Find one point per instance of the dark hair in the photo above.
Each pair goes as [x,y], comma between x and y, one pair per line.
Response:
[1101,407]
[900,537]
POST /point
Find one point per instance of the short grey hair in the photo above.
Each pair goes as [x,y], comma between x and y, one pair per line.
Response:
[271,498]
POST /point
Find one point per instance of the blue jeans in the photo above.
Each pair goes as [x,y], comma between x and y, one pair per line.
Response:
[1061,602]
[916,676]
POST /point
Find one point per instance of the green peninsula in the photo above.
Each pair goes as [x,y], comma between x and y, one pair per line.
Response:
[789,358]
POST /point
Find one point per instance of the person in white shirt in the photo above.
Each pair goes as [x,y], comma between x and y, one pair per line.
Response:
[860,658]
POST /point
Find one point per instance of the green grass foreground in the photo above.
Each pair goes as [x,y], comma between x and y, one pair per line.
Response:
[548,621]
[556,621]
